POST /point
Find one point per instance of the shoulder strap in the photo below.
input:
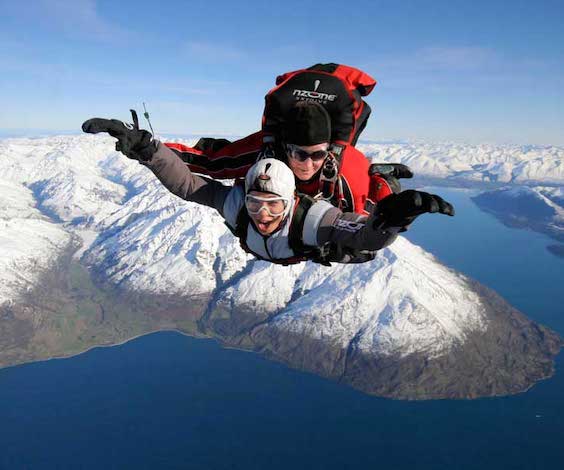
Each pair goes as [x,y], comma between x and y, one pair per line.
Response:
[345,198]
[328,177]
[242,220]
[295,238]
[332,184]
[295,235]
[241,228]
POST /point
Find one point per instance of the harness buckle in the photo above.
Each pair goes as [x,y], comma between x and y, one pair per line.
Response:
[328,177]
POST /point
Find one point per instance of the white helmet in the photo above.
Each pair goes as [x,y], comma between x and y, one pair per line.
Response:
[271,176]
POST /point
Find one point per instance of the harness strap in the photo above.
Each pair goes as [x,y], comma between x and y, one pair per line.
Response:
[331,185]
[295,235]
[328,177]
[241,228]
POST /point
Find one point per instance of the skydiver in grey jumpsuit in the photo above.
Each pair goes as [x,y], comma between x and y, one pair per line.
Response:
[269,199]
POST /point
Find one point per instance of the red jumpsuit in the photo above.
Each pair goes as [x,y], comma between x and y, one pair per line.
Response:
[223,160]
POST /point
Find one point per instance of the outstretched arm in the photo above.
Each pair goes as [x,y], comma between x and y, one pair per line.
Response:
[392,215]
[139,145]
[179,180]
[346,230]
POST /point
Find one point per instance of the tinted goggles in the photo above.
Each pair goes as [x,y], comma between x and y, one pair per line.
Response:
[301,155]
[274,206]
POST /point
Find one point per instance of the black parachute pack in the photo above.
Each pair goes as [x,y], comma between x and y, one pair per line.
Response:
[339,88]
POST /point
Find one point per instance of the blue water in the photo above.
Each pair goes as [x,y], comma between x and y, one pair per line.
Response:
[169,401]
[514,262]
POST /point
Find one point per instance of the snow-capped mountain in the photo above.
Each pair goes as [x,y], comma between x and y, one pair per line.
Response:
[338,321]
[29,241]
[485,163]
[538,208]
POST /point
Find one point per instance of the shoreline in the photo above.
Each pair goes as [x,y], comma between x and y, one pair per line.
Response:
[121,343]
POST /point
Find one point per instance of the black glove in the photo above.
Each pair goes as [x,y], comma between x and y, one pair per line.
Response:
[133,142]
[400,210]
[396,170]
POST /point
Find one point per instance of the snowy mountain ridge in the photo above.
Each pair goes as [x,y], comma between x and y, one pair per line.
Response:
[485,163]
[140,238]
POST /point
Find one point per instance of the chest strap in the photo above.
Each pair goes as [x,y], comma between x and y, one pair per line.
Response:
[295,235]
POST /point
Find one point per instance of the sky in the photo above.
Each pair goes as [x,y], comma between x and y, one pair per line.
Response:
[480,71]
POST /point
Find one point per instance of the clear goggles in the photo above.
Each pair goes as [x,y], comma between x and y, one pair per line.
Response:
[297,153]
[274,206]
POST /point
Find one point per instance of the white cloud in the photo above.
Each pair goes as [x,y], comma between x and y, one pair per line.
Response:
[76,18]
[462,68]
[439,58]
[455,57]
[208,51]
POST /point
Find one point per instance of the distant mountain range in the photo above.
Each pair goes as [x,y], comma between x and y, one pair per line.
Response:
[538,208]
[93,250]
[464,165]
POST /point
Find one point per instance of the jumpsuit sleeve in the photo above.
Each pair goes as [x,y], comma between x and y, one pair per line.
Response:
[179,180]
[219,158]
[326,224]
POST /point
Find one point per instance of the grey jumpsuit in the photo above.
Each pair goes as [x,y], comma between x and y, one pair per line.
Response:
[324,224]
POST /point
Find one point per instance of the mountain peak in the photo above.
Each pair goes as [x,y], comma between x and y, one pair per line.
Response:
[181,268]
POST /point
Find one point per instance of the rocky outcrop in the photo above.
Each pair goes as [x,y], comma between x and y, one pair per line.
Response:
[508,356]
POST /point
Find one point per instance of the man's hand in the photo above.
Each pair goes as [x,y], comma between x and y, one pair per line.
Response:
[400,210]
[395,170]
[133,142]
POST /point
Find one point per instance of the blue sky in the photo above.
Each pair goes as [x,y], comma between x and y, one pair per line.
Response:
[446,70]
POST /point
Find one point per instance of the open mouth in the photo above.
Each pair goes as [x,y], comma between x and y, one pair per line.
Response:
[267,225]
[263,226]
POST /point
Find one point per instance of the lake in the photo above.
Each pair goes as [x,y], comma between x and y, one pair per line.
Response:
[170,401]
